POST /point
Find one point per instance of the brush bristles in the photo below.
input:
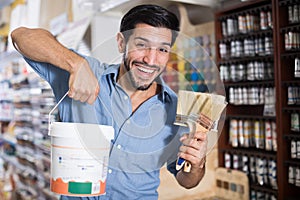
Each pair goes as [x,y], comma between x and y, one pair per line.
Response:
[198,103]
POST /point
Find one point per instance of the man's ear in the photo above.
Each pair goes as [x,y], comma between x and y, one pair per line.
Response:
[121,42]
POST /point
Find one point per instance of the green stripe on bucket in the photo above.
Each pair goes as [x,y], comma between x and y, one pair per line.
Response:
[80,188]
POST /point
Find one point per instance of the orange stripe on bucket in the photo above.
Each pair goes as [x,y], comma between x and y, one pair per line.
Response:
[60,187]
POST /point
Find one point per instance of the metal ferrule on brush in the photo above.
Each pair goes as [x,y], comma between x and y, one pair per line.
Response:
[200,119]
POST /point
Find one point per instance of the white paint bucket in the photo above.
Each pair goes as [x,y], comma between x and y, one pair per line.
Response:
[79,157]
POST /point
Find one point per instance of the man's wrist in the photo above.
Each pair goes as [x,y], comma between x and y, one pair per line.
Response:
[202,162]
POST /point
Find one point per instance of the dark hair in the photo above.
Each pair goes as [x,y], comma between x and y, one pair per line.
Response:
[152,15]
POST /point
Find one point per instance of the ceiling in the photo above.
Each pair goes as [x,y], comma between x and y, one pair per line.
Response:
[122,5]
[199,11]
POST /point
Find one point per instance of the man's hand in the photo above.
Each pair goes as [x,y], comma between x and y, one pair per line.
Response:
[83,85]
[193,151]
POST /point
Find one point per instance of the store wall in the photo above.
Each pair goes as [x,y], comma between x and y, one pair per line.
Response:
[103,38]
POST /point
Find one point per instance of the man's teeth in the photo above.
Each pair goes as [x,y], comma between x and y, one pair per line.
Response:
[150,71]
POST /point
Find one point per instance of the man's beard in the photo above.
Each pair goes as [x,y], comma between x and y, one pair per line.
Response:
[131,77]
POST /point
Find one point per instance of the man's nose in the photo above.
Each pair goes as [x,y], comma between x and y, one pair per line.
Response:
[150,56]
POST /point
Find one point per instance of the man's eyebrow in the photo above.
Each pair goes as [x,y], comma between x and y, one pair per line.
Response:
[146,40]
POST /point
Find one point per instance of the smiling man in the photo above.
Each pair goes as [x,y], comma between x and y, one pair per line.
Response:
[150,41]
[135,100]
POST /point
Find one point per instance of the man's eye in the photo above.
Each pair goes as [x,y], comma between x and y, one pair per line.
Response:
[141,45]
[164,50]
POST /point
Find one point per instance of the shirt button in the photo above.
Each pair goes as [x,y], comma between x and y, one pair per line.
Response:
[128,121]
[119,146]
[109,171]
[125,97]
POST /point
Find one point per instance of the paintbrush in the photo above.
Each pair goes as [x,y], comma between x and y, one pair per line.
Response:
[199,112]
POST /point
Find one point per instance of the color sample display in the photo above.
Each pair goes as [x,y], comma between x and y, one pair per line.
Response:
[191,65]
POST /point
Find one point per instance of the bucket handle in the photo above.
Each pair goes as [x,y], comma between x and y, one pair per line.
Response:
[52,110]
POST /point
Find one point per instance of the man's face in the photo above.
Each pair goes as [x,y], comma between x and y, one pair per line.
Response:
[146,54]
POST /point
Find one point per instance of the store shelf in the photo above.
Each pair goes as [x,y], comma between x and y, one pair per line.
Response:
[291,27]
[250,34]
[291,83]
[246,59]
[8,139]
[8,57]
[292,162]
[251,117]
[249,83]
[292,136]
[290,54]
[251,152]
[240,112]
[291,109]
[248,7]
[28,143]
[287,2]
[264,189]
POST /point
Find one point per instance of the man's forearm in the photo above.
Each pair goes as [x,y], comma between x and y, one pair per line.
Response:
[40,45]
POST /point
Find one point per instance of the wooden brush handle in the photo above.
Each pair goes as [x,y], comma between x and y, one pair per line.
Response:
[194,127]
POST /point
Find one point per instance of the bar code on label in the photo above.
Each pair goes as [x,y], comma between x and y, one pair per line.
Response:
[96,188]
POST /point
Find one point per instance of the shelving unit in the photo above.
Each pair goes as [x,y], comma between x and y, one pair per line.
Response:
[24,140]
[246,55]
[232,152]
[288,22]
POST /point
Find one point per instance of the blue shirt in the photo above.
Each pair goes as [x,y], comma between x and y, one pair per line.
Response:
[144,140]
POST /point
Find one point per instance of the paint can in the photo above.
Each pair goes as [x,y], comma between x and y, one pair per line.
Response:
[79,157]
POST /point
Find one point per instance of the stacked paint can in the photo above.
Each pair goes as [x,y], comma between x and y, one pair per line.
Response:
[252,133]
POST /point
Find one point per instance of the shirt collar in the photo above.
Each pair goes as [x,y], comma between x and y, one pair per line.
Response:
[166,93]
[112,70]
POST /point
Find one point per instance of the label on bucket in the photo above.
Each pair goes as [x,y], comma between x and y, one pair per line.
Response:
[77,171]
